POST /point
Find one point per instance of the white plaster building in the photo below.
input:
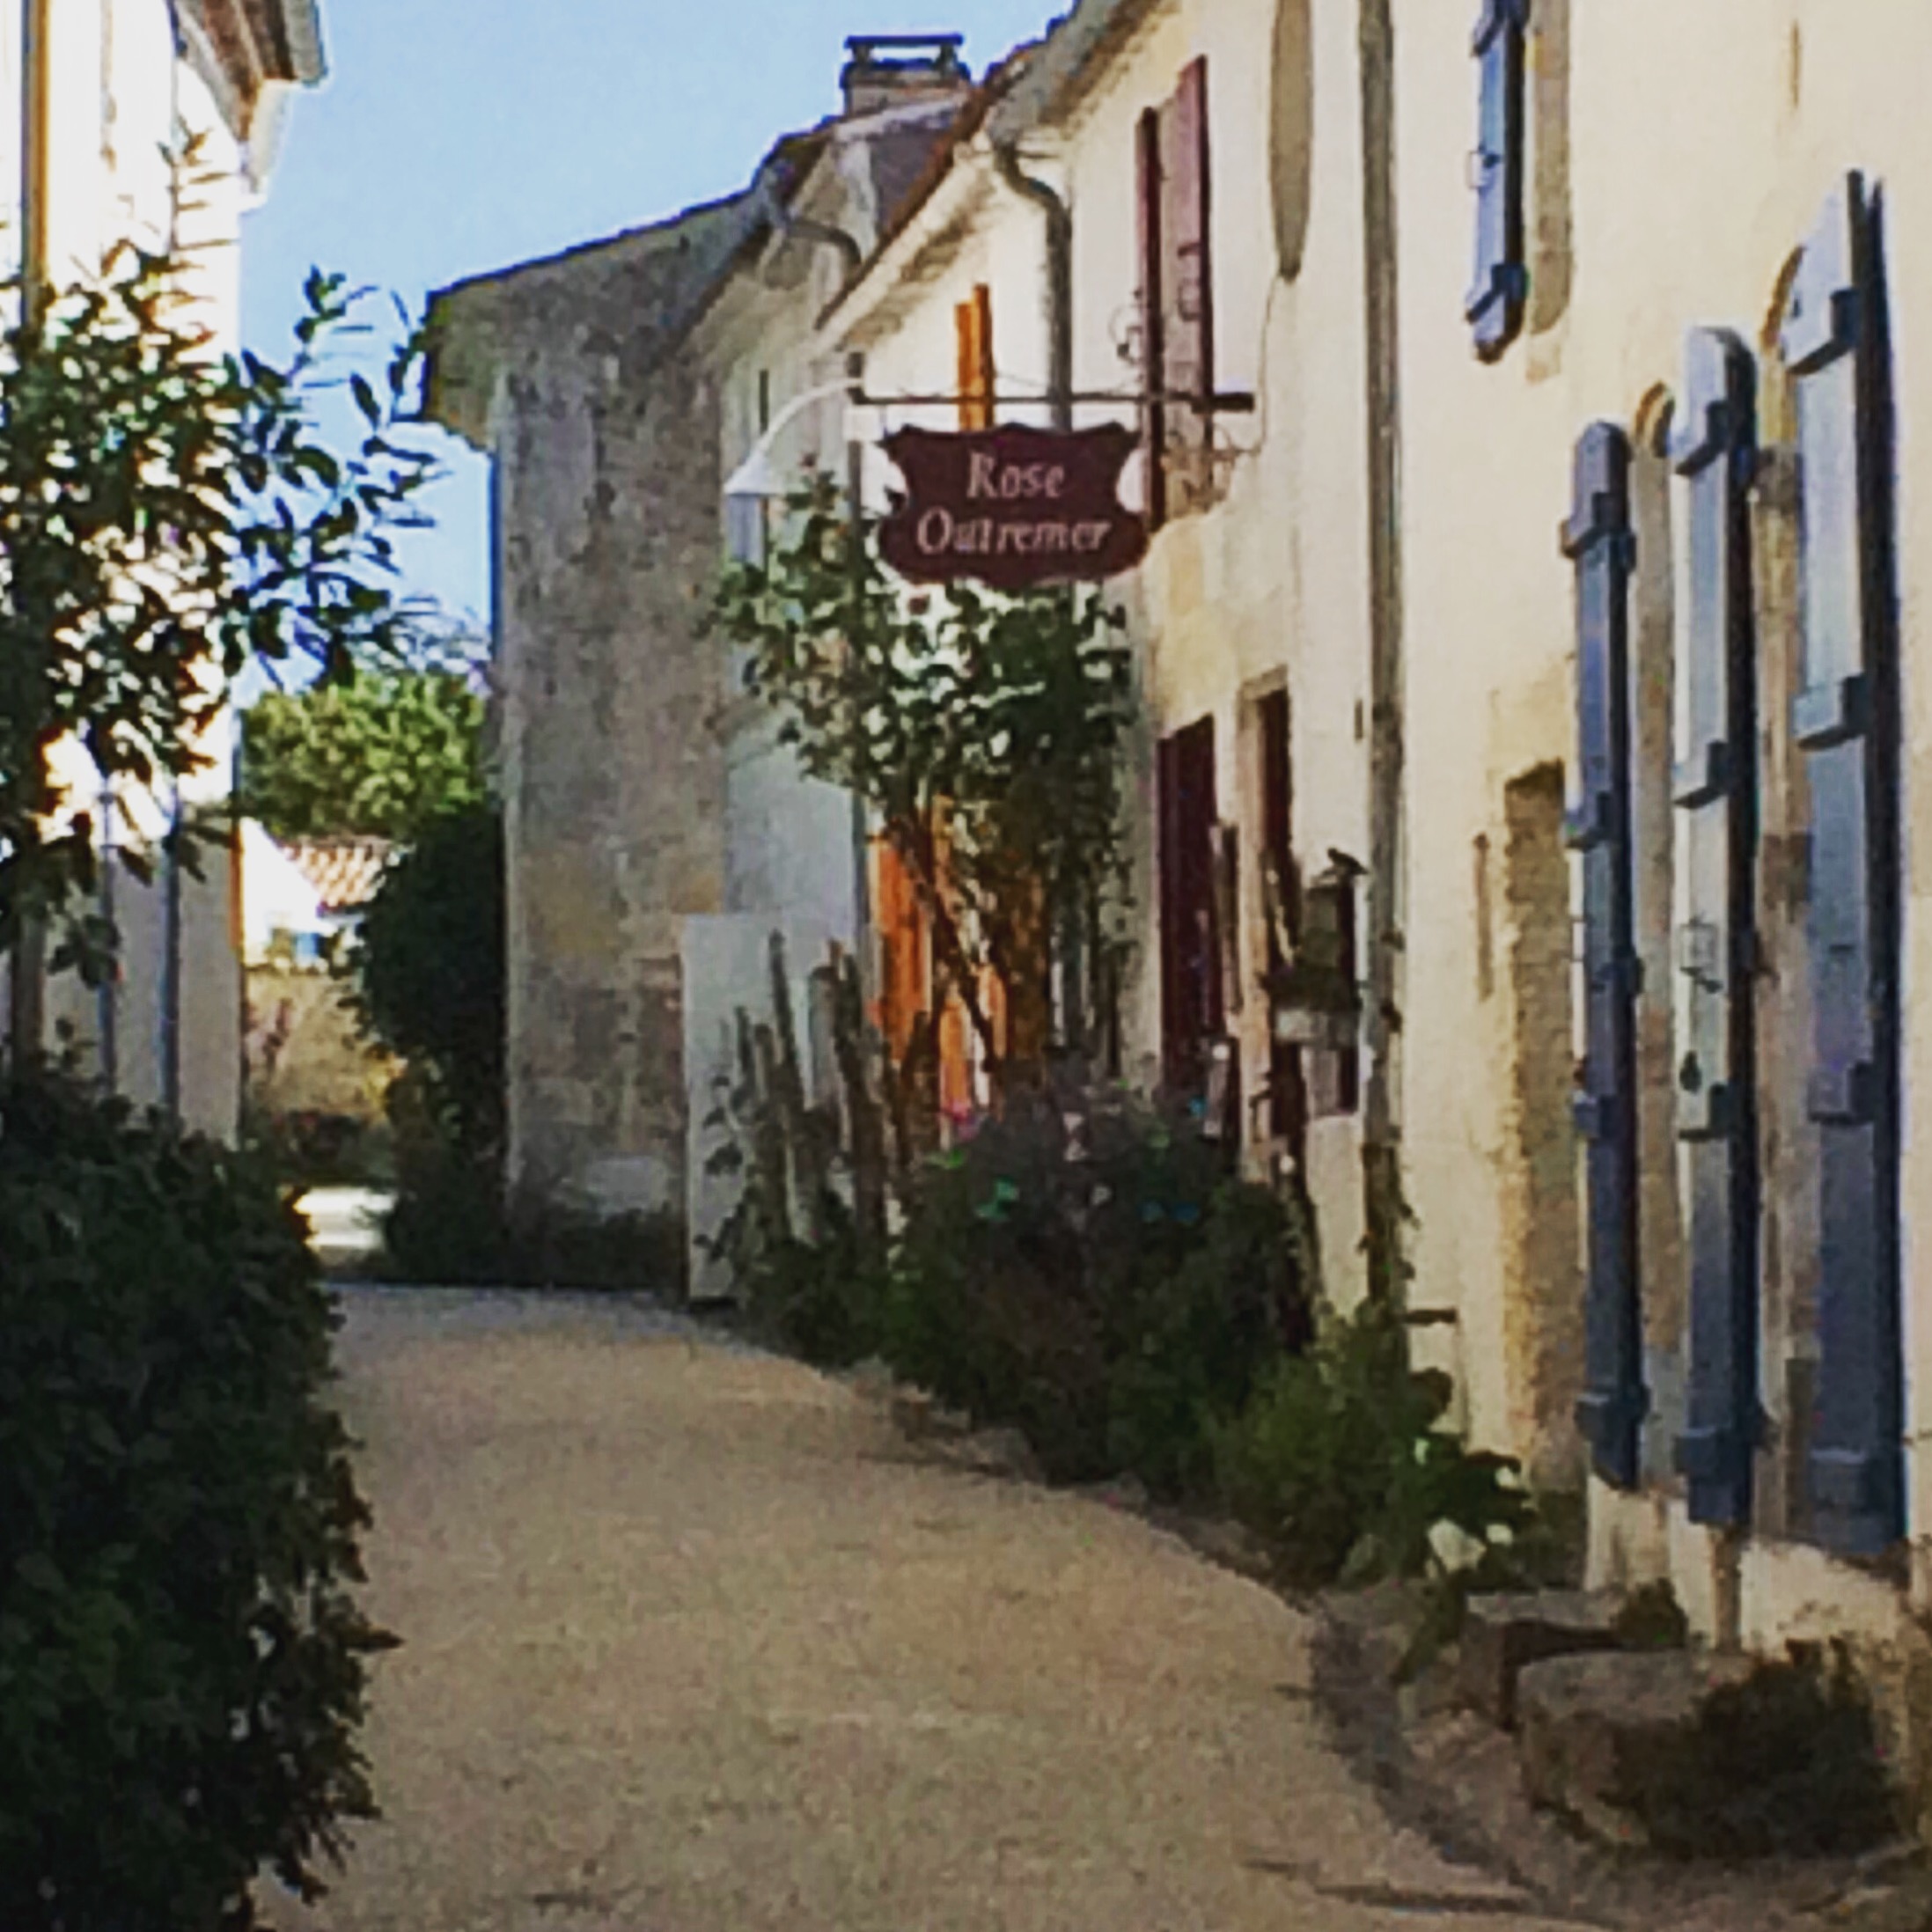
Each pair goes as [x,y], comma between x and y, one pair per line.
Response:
[1653,279]
[120,82]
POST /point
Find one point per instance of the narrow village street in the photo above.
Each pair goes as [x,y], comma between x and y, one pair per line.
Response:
[1204,726]
[692,1639]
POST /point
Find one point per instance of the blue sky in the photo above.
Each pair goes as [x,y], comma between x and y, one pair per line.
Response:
[455,137]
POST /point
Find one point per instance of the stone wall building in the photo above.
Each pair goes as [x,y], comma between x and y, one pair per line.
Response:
[614,387]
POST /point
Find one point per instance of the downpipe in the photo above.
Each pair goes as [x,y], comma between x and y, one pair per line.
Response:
[1059,314]
[1059,222]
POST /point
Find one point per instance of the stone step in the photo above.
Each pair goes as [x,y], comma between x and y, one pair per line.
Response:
[1504,1633]
[1696,1754]
[1594,1728]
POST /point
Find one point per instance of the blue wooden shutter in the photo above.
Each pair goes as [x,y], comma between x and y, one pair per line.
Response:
[1845,720]
[1598,539]
[1502,281]
[1716,791]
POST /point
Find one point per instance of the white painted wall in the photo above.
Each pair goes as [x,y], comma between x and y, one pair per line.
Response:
[727,968]
[119,100]
[1272,582]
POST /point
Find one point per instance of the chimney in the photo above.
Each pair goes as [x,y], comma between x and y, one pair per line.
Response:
[891,69]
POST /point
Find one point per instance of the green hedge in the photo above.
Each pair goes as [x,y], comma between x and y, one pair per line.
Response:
[182,1662]
[1096,1278]
[1341,1461]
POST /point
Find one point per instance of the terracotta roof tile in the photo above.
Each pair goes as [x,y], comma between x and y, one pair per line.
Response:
[344,872]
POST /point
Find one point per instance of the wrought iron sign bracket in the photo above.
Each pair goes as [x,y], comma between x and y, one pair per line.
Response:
[1231,402]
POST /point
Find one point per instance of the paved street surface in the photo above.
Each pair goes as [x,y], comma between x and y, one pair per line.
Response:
[693,1643]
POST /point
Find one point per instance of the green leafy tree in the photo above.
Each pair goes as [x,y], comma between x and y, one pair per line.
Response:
[381,754]
[429,985]
[167,512]
[986,732]
[181,1665]
[429,980]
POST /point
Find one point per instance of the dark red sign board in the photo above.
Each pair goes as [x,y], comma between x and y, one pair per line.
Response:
[1012,507]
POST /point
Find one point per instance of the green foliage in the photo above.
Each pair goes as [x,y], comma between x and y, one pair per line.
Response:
[380,754]
[1651,1618]
[1091,1276]
[307,1148]
[450,1225]
[986,732]
[805,1261]
[181,1663]
[819,1298]
[429,986]
[167,512]
[1341,1461]
[447,1226]
[1094,1277]
[430,972]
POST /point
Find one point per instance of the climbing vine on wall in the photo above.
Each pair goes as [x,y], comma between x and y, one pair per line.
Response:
[984,732]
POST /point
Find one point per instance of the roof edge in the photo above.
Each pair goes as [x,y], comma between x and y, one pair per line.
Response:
[1036,85]
[579,251]
[458,319]
[1068,63]
[301,23]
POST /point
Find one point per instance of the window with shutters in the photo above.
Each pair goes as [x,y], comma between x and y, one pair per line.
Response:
[905,971]
[1176,299]
[1597,539]
[1501,283]
[1716,793]
[1844,723]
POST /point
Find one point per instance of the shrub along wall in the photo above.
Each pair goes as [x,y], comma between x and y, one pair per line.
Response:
[1086,1267]
[1096,1277]
[181,1659]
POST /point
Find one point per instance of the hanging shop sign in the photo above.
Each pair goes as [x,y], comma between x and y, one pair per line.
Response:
[1012,507]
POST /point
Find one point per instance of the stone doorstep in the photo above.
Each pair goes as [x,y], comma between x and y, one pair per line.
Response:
[1503,1634]
[1586,1721]
[1458,1781]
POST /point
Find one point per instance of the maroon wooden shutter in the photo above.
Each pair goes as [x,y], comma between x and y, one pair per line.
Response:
[1153,357]
[1191,989]
[1188,284]
[1172,912]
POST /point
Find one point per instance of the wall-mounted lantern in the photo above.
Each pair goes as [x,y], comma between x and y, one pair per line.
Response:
[1315,998]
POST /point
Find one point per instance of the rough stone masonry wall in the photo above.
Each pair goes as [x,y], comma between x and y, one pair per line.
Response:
[609,526]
